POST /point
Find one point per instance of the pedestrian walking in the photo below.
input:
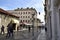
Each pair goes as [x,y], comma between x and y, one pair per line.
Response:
[18,28]
[29,28]
[9,30]
[45,29]
[2,29]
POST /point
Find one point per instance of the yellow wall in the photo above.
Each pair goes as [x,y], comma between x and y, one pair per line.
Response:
[5,19]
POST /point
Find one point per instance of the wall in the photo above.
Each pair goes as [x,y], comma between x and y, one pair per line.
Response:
[5,19]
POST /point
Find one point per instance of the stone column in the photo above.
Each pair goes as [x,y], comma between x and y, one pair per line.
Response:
[58,23]
[54,22]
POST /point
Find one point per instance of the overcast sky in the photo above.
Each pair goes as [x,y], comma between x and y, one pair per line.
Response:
[13,4]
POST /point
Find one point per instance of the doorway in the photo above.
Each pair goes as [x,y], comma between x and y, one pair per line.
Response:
[14,26]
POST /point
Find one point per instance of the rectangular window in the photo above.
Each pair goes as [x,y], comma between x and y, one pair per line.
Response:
[21,21]
[23,16]
[21,13]
[28,12]
[28,16]
[28,21]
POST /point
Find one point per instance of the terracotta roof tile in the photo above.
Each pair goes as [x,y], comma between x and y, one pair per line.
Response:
[5,12]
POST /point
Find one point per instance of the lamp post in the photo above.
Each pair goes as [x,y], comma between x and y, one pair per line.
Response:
[37,22]
[33,24]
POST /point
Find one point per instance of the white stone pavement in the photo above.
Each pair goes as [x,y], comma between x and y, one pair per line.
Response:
[42,35]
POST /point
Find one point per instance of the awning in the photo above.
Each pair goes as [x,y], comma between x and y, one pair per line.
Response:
[27,24]
[15,21]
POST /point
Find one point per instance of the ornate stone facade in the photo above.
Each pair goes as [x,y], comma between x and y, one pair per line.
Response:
[25,15]
[53,19]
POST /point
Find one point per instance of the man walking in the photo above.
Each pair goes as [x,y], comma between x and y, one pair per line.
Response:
[2,29]
[29,28]
[9,30]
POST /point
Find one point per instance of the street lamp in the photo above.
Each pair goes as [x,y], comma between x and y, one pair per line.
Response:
[33,24]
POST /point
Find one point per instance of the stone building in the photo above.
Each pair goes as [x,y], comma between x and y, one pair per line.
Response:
[52,19]
[25,15]
[6,18]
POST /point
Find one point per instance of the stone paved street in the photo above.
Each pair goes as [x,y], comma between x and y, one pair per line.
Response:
[22,35]
[42,35]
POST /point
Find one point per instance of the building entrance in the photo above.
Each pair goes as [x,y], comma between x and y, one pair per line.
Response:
[14,26]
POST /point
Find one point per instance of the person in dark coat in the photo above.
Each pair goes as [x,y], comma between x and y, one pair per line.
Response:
[29,28]
[2,29]
[46,29]
[9,30]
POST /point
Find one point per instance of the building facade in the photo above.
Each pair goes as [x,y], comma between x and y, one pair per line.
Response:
[52,19]
[6,18]
[25,15]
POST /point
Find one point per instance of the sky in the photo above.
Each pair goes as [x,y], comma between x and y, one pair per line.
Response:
[13,4]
